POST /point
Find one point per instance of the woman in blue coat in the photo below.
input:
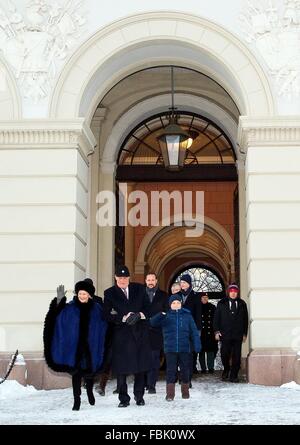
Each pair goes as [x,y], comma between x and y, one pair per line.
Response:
[181,338]
[74,335]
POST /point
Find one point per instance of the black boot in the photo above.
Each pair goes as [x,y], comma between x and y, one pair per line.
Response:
[89,391]
[76,384]
[77,402]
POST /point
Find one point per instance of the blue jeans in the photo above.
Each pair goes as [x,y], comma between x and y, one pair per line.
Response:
[152,374]
[181,359]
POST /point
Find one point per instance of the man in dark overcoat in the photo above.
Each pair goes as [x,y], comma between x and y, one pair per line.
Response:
[231,327]
[158,303]
[127,306]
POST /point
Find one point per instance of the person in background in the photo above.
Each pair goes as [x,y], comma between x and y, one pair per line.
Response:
[175,288]
[208,341]
[231,328]
[74,335]
[180,336]
[158,303]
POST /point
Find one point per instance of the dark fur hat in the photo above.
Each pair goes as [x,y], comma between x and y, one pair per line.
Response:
[86,286]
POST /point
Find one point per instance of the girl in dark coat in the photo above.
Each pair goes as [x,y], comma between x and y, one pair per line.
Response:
[74,335]
[181,337]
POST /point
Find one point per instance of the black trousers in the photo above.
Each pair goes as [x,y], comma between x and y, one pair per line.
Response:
[153,373]
[231,349]
[138,387]
[181,359]
[76,383]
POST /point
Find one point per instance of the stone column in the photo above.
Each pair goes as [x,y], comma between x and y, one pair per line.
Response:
[43,221]
[94,175]
[106,235]
[243,243]
[273,244]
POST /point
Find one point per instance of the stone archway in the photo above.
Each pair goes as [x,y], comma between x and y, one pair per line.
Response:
[223,57]
[163,243]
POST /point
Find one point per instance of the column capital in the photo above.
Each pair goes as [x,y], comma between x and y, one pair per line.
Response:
[268,131]
[47,133]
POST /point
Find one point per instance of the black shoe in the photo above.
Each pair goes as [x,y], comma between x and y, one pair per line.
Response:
[123,404]
[76,406]
[151,391]
[195,371]
[140,402]
[211,371]
[203,371]
[116,391]
[225,376]
[190,385]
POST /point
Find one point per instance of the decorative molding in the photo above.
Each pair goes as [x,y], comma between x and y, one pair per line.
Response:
[269,132]
[275,31]
[47,133]
[34,41]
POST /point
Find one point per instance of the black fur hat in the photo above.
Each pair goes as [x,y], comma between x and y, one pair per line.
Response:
[86,286]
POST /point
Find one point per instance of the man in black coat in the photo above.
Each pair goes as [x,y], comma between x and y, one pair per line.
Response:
[127,306]
[158,303]
[231,327]
[191,300]
[208,341]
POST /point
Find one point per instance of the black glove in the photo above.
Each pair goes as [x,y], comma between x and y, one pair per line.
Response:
[133,318]
[60,292]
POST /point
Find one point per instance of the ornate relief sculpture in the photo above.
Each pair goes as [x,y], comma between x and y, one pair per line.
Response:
[274,28]
[34,41]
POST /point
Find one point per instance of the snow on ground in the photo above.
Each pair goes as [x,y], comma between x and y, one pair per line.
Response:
[212,402]
[291,385]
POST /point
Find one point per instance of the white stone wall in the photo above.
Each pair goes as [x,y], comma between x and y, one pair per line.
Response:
[43,234]
[273,230]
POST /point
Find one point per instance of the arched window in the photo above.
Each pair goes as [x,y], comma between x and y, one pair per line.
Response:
[204,280]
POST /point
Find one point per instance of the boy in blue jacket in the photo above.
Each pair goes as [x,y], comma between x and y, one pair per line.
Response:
[181,337]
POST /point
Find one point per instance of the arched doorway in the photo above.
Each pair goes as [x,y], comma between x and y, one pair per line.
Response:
[130,45]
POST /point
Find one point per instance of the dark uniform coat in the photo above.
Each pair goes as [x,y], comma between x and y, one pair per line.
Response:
[209,344]
[159,304]
[131,344]
[232,327]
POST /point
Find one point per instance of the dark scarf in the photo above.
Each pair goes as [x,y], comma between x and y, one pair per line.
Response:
[185,293]
[151,292]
